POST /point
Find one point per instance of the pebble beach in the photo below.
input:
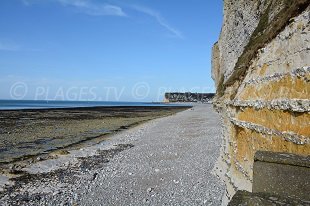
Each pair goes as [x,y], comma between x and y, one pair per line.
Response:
[165,161]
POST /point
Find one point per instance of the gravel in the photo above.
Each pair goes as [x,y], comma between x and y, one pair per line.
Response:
[167,161]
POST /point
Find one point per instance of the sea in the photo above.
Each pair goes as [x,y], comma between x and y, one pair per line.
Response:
[45,104]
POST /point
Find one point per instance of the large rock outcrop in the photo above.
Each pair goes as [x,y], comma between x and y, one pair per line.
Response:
[188,97]
[261,67]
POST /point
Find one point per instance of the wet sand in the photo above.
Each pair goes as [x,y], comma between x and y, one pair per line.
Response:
[25,134]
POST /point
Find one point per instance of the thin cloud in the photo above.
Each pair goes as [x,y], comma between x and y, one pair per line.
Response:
[87,7]
[160,20]
[91,8]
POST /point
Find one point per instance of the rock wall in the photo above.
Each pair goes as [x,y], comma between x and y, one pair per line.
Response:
[261,67]
[216,71]
[188,97]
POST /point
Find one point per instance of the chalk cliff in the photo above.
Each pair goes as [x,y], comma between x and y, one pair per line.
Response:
[188,97]
[261,68]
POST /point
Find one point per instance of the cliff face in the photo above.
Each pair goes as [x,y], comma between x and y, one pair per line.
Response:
[261,67]
[188,97]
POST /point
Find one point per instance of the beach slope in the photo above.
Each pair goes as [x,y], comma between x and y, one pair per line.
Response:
[164,161]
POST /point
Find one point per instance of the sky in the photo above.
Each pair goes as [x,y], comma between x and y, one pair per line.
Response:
[106,50]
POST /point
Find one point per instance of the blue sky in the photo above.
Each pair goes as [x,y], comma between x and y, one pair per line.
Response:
[126,50]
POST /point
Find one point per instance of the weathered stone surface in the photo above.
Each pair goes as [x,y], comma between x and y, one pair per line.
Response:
[216,69]
[283,158]
[283,121]
[293,105]
[262,72]
[188,97]
[240,20]
[282,174]
[244,198]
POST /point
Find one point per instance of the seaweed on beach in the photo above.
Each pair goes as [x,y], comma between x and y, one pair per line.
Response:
[103,156]
[60,176]
[27,134]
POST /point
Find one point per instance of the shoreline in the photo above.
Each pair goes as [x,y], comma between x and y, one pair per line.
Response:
[16,105]
[48,133]
[151,156]
[158,105]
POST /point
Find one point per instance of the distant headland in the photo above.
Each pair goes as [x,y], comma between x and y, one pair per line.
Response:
[188,97]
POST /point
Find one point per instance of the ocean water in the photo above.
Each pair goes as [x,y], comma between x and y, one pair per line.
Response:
[42,104]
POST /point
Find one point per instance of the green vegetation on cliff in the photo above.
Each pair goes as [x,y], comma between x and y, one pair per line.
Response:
[266,30]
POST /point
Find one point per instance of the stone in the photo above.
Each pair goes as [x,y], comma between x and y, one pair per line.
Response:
[150,189]
[282,174]
[246,198]
[261,69]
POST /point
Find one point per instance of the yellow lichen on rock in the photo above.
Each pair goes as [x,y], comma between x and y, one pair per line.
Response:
[247,142]
[263,92]
[283,121]
[288,87]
